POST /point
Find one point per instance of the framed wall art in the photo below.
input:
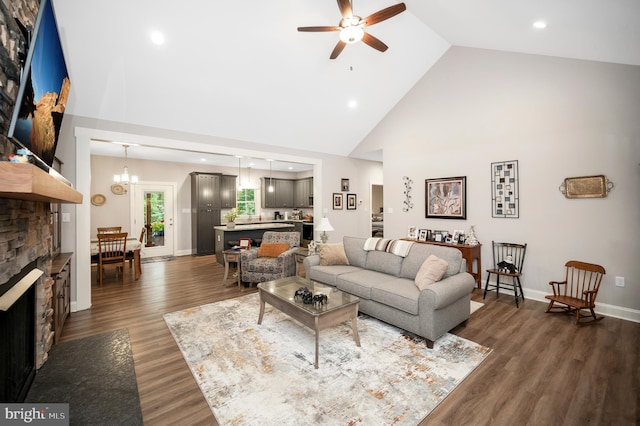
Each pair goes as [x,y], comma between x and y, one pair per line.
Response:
[351,201]
[337,201]
[344,185]
[446,198]
[505,195]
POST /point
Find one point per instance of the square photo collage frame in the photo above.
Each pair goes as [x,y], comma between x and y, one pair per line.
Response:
[505,194]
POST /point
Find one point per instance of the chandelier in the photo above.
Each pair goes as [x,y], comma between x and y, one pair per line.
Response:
[125,177]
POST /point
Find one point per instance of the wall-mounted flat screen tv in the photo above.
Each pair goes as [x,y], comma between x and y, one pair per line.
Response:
[43,93]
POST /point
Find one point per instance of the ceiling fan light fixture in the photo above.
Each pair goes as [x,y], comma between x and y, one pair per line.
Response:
[351,34]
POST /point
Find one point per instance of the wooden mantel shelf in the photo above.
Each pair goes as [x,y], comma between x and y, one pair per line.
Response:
[27,182]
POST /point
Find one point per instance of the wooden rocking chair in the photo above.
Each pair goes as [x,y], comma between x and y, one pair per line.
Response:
[578,291]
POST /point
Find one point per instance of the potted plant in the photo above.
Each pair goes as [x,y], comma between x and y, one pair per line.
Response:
[231,217]
[157,227]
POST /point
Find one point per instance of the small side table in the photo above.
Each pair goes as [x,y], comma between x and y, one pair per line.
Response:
[230,256]
[300,254]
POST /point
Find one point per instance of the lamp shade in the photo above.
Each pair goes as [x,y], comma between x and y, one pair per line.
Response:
[324,225]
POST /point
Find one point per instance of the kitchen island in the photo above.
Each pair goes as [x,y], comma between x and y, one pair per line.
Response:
[223,235]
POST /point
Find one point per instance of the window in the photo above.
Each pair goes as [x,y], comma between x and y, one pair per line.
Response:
[245,200]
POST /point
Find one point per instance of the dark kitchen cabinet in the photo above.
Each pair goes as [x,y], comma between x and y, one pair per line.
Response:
[303,192]
[205,211]
[228,185]
[281,197]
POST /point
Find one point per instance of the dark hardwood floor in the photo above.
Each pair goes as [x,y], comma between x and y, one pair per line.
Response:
[543,369]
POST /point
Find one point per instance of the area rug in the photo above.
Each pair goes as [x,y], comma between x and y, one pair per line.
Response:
[475,306]
[157,259]
[263,374]
[95,376]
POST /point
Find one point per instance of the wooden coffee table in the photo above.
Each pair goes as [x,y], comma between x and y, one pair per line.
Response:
[341,306]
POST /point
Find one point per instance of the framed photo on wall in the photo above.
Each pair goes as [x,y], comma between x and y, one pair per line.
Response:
[446,198]
[337,201]
[344,185]
[351,201]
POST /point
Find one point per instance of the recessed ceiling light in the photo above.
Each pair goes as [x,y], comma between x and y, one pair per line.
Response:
[353,103]
[157,38]
[203,159]
[540,25]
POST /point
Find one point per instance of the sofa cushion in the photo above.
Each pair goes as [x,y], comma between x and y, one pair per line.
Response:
[329,274]
[384,262]
[332,254]
[272,249]
[360,282]
[399,293]
[354,249]
[419,252]
[432,270]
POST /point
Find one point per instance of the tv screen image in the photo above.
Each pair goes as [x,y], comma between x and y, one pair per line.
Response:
[44,90]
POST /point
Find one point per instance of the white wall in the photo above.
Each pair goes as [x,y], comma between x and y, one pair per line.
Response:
[559,118]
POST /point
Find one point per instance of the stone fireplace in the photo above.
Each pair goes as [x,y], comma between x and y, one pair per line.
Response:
[25,294]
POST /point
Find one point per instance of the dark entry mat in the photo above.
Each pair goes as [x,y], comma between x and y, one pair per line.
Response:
[95,376]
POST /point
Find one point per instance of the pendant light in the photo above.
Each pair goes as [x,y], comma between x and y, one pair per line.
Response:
[124,177]
[239,176]
[270,189]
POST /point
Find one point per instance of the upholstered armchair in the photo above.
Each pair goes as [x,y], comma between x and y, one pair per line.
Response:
[274,258]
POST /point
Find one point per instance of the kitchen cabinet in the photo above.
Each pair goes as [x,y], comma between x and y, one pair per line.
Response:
[303,192]
[281,197]
[228,185]
[205,211]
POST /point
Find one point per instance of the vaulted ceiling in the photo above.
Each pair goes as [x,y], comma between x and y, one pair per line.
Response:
[241,70]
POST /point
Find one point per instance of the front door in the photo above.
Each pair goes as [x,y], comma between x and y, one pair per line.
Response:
[153,209]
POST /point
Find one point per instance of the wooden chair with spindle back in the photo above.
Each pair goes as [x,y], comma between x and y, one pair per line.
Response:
[112,251]
[578,291]
[508,261]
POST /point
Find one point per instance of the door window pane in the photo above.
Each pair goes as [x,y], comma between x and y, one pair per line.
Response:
[154,218]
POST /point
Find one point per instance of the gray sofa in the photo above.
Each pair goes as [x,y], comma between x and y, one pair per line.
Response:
[384,282]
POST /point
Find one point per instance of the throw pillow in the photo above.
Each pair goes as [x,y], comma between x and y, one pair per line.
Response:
[272,249]
[432,270]
[332,254]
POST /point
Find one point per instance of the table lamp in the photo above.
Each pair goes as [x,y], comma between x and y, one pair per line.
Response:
[324,226]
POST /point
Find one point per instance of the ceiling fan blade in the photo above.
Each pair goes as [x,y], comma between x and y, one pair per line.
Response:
[374,42]
[385,13]
[338,49]
[345,8]
[319,29]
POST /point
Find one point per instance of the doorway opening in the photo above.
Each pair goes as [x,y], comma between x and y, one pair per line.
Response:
[377,211]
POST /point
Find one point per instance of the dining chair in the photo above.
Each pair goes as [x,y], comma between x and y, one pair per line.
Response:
[109,229]
[112,251]
[130,254]
[508,261]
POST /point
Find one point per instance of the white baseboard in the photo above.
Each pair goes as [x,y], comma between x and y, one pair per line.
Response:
[184,252]
[601,308]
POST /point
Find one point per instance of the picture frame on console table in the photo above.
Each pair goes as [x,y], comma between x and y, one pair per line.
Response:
[446,198]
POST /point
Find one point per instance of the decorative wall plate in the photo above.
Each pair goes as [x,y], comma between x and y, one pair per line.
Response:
[98,200]
[117,189]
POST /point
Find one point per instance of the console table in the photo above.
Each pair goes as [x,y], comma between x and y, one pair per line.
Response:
[469,253]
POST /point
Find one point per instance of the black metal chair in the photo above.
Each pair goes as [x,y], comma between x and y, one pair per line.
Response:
[508,261]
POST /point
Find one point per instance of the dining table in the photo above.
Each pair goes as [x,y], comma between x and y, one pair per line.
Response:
[133,246]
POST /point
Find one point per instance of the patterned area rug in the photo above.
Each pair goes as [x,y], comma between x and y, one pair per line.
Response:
[263,374]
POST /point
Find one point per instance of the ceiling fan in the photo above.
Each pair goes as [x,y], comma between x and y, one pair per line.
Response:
[351,27]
